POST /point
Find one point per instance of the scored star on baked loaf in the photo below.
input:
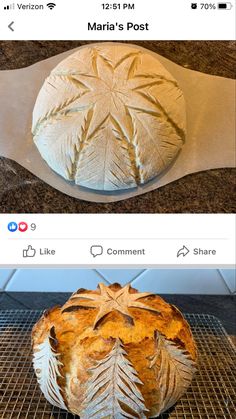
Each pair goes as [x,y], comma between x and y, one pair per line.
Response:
[109,117]
[107,300]
[113,368]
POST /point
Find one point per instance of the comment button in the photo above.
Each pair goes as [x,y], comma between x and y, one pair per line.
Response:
[96,250]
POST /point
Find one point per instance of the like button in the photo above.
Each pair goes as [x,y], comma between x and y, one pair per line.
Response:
[29,253]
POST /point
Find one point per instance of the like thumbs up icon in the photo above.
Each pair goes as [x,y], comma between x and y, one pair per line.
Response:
[29,253]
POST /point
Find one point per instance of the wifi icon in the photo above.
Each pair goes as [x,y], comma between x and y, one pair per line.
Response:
[51,5]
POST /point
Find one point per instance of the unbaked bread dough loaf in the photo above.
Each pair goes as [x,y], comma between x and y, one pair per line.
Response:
[109,117]
[113,353]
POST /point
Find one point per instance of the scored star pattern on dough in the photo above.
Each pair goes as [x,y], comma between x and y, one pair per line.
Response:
[118,88]
[109,124]
[109,300]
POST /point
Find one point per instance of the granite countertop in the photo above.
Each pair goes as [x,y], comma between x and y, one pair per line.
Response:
[208,191]
[221,306]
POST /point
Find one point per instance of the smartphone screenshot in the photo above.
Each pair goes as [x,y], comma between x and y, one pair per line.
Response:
[117,210]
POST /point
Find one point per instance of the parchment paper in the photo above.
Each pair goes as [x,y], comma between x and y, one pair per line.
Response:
[210,142]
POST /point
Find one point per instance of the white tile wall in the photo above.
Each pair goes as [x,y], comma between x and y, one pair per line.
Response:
[123,276]
[56,280]
[229,276]
[5,277]
[186,281]
[202,281]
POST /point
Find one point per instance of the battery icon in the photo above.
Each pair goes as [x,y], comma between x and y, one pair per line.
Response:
[226,6]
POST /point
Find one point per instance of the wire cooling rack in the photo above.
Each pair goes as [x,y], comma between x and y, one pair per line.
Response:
[211,395]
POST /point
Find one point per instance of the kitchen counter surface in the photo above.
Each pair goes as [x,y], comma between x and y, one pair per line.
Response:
[209,191]
[221,306]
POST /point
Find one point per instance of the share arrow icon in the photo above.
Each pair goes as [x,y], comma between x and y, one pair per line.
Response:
[183,251]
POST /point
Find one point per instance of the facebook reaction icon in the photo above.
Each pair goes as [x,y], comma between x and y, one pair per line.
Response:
[12,226]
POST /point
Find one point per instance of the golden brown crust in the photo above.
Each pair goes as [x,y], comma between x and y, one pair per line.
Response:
[81,345]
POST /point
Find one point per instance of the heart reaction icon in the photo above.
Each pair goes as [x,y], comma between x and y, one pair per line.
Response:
[22,226]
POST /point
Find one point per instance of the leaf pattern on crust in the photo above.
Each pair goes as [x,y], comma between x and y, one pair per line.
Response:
[108,300]
[109,166]
[47,368]
[137,125]
[175,371]
[112,388]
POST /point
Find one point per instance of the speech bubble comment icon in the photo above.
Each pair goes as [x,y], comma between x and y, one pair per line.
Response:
[96,250]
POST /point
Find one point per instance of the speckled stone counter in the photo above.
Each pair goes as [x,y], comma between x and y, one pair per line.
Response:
[209,191]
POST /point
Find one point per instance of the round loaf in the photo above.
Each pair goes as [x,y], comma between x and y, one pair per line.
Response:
[109,117]
[113,353]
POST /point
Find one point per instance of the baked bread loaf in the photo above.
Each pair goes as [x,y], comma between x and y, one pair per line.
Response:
[113,353]
[109,117]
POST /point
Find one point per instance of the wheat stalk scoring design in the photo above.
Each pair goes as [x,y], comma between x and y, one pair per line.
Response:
[47,367]
[105,120]
[175,371]
[112,389]
[113,353]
